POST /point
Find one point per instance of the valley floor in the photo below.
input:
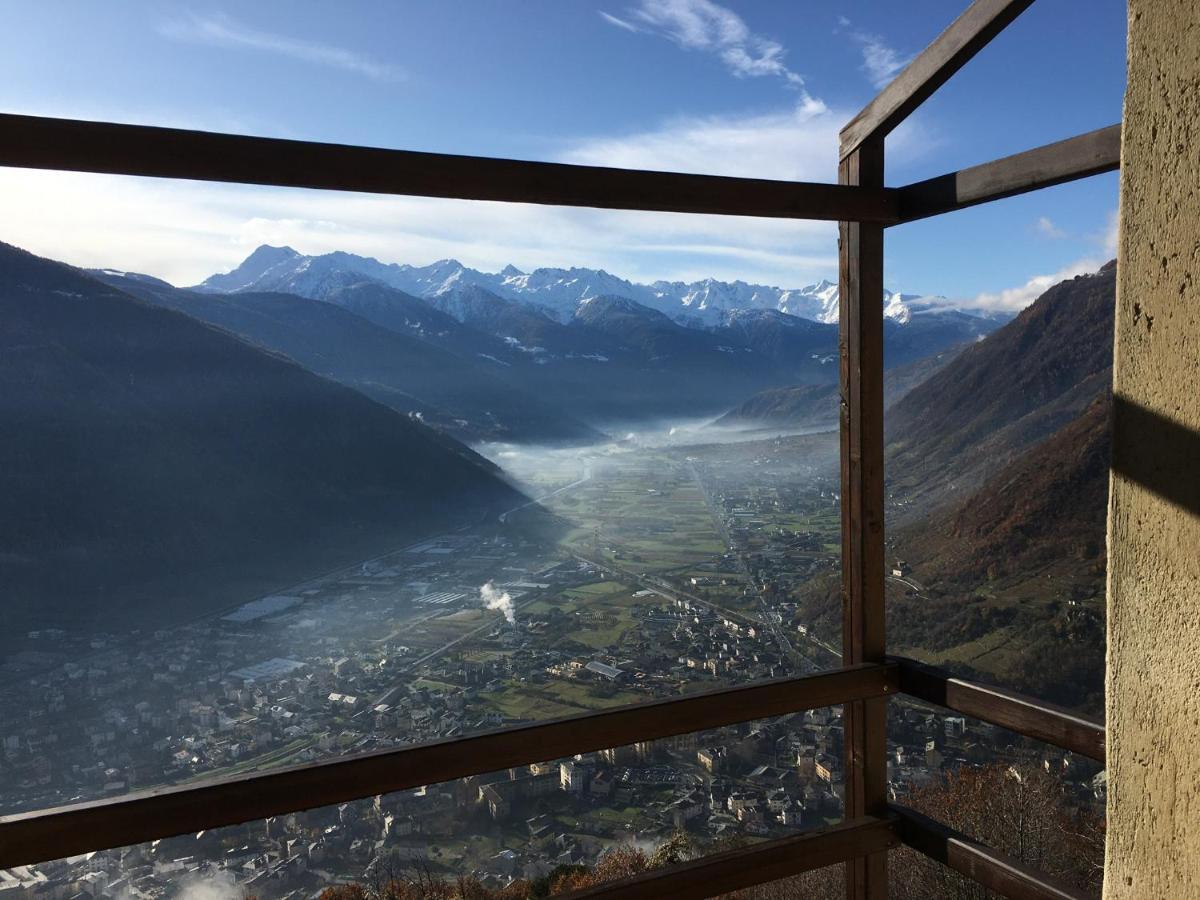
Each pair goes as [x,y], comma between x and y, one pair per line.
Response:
[640,573]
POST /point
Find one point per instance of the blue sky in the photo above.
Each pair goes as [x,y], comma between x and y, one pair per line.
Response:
[754,88]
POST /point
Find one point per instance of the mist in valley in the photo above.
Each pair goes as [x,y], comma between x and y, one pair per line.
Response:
[538,468]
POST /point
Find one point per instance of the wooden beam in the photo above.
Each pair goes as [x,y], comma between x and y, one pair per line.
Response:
[983,865]
[65,144]
[861,351]
[1024,715]
[1078,157]
[768,861]
[949,52]
[102,824]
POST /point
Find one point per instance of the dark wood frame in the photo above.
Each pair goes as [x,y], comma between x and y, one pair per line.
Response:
[107,148]
[860,251]
[1078,157]
[1008,709]
[212,803]
[863,206]
[933,67]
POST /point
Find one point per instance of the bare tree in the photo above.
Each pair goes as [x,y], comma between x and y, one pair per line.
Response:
[1020,811]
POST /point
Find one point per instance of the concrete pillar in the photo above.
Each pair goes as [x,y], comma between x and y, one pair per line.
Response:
[1153,677]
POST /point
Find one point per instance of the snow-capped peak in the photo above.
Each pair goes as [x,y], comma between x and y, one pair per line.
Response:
[556,291]
[894,307]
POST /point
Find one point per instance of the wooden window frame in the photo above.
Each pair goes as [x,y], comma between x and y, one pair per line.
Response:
[864,207]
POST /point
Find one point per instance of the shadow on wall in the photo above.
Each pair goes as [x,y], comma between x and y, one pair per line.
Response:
[1156,453]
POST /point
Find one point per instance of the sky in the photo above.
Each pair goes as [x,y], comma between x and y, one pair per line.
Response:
[750,88]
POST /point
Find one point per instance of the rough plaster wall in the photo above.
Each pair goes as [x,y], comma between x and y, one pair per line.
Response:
[1154,517]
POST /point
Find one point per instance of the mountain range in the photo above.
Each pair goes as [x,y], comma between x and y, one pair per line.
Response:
[557,291]
[155,466]
[569,349]
[419,361]
[214,442]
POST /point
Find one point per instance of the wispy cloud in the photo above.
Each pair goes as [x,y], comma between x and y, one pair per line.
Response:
[1017,298]
[794,143]
[219,30]
[881,62]
[1112,233]
[185,231]
[1046,228]
[618,21]
[708,27]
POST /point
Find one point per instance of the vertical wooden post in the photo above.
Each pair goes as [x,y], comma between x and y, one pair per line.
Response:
[860,252]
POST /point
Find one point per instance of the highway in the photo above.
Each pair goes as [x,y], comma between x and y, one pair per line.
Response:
[587,476]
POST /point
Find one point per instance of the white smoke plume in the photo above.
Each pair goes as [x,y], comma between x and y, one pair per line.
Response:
[494,599]
[219,885]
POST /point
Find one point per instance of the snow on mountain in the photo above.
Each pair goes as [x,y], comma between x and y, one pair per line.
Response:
[817,301]
[264,264]
[558,292]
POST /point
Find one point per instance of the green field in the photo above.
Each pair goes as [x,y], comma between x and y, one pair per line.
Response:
[443,687]
[643,510]
[442,629]
[554,698]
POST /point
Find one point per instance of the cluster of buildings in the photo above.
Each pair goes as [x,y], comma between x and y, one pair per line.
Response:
[390,653]
[300,674]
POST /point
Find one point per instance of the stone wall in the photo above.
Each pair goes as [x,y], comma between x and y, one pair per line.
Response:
[1154,514]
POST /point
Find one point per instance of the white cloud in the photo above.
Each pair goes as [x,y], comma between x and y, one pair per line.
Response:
[711,28]
[220,30]
[1046,228]
[1017,298]
[1111,234]
[185,231]
[796,143]
[881,62]
[619,22]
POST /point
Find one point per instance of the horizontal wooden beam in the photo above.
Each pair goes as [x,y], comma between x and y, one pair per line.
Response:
[949,52]
[66,144]
[732,870]
[1078,157]
[102,824]
[983,865]
[1016,712]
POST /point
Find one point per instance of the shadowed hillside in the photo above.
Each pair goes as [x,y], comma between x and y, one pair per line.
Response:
[997,485]
[155,467]
[1013,575]
[1003,394]
[609,352]
[1048,504]
[816,405]
[392,347]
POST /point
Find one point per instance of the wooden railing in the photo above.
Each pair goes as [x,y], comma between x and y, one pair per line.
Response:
[103,147]
[861,257]
[132,818]
[864,207]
